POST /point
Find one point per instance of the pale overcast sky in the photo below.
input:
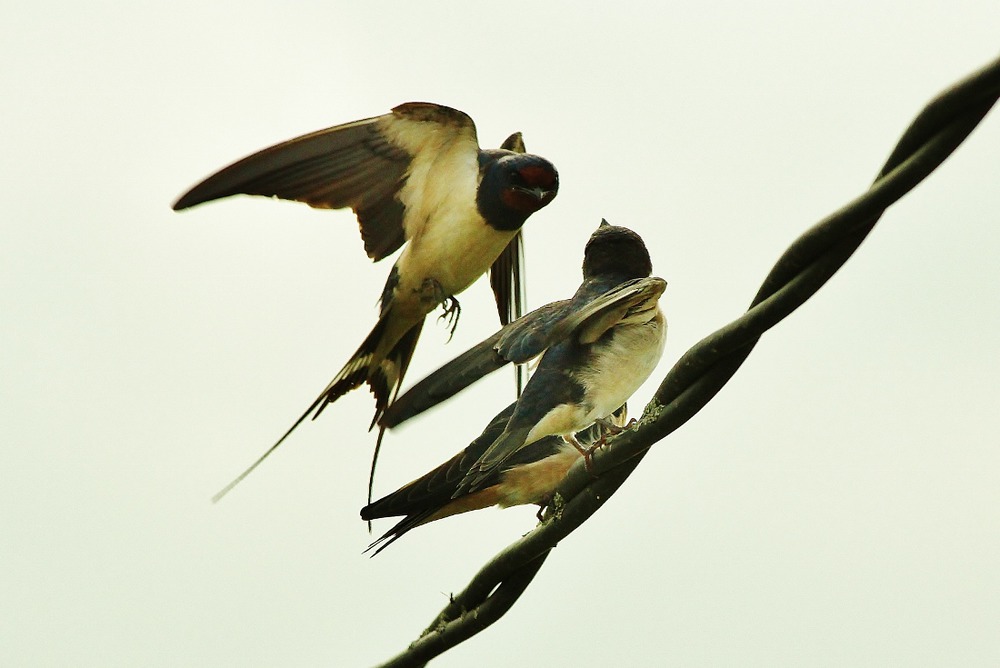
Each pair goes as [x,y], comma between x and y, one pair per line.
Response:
[837,504]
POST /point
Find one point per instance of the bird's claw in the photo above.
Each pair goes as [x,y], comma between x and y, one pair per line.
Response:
[431,291]
[609,429]
[452,311]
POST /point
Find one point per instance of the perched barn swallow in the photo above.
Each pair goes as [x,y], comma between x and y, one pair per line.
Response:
[596,349]
[415,176]
[530,476]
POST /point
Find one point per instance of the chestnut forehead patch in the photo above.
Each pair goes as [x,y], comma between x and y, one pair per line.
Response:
[538,175]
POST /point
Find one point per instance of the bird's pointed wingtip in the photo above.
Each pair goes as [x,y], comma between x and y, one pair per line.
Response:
[515,143]
[186,201]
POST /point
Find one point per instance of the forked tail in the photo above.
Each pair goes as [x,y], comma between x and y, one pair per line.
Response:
[383,376]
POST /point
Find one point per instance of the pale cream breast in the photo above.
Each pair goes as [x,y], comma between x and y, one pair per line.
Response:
[457,249]
[620,367]
[614,373]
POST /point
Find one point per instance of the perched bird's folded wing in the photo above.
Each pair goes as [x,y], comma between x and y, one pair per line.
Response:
[585,318]
[362,165]
[434,489]
[591,320]
[433,495]
[419,501]
[524,339]
[480,360]
[584,322]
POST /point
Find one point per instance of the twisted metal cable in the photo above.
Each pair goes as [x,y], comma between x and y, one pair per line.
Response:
[704,369]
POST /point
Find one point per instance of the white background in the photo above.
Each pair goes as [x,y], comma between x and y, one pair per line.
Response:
[836,504]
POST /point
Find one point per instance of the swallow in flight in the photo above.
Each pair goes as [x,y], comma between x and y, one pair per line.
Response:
[415,176]
[596,349]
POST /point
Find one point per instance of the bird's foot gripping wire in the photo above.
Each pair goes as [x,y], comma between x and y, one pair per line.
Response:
[609,428]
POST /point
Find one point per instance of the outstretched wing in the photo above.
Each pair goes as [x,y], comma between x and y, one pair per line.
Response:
[594,309]
[363,165]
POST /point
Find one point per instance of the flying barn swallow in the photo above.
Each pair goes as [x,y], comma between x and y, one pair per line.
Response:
[530,476]
[415,176]
[596,349]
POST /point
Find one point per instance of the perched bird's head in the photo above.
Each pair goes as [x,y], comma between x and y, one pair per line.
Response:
[514,186]
[616,250]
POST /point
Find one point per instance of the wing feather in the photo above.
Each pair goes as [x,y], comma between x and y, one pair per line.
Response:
[366,165]
[586,317]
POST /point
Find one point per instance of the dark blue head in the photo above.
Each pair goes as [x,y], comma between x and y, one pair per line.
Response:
[618,251]
[514,186]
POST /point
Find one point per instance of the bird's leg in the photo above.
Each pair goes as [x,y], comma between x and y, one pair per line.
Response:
[588,453]
[431,290]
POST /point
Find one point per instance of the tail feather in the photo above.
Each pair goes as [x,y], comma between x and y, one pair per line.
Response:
[433,495]
[384,381]
[355,372]
[383,377]
[396,532]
